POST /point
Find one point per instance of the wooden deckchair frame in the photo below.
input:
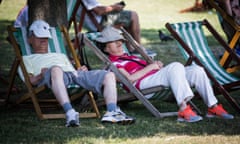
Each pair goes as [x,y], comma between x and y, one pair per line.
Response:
[194,57]
[33,91]
[226,58]
[134,94]
[126,82]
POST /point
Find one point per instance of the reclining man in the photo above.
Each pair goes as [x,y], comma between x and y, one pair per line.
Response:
[56,72]
[175,75]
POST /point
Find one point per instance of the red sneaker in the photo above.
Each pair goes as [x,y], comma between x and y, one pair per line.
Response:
[218,111]
[187,115]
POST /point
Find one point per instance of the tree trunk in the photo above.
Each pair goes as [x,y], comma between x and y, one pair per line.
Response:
[52,11]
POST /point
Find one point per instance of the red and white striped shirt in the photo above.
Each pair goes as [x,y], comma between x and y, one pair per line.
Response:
[131,64]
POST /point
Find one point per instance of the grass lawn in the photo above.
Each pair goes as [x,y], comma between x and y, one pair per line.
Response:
[20,124]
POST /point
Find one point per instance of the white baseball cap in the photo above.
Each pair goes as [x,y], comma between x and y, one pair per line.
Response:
[40,29]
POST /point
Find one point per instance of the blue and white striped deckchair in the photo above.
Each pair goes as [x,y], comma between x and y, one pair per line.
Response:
[158,92]
[194,47]
[18,38]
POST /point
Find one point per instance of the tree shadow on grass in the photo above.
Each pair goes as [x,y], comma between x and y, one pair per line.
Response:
[19,125]
[22,126]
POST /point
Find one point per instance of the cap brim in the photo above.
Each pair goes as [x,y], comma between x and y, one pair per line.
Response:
[105,40]
[42,34]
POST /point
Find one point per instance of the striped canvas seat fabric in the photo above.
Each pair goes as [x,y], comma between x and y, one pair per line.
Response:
[193,35]
[158,95]
[56,45]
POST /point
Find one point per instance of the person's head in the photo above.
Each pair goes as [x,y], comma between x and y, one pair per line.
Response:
[110,41]
[38,35]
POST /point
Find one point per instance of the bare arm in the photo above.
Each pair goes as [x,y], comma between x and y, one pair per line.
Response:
[101,10]
[137,75]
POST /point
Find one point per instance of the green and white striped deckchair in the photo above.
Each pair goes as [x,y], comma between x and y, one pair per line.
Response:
[56,43]
[70,8]
[194,47]
[135,94]
[60,38]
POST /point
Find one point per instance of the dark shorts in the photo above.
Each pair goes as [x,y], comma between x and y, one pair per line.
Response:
[90,80]
[117,18]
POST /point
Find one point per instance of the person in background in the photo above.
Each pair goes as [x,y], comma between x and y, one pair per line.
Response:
[105,15]
[232,8]
[114,15]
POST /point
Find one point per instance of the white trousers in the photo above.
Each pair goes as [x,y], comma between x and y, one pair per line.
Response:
[180,79]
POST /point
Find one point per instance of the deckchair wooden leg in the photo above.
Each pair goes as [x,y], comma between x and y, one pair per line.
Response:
[232,101]
[195,108]
[93,103]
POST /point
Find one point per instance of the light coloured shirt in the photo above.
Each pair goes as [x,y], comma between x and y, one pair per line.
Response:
[90,4]
[35,62]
